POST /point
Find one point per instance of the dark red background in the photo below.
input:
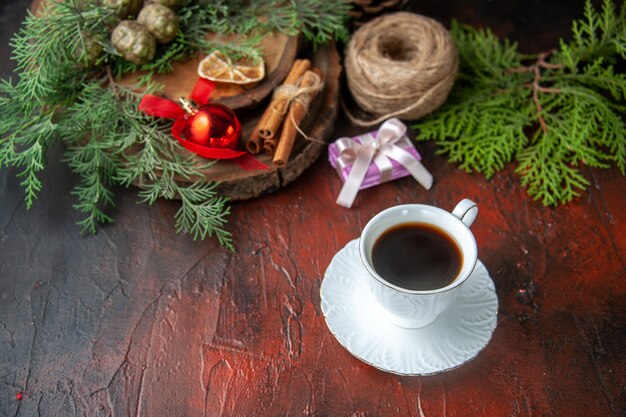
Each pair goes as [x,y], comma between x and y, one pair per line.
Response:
[140,321]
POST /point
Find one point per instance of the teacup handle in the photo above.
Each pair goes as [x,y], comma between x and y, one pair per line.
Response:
[466,211]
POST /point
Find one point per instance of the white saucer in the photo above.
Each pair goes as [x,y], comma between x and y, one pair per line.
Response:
[455,338]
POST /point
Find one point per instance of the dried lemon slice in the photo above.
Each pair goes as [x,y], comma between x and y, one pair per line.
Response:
[220,68]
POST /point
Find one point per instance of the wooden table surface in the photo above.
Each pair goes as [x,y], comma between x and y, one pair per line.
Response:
[141,321]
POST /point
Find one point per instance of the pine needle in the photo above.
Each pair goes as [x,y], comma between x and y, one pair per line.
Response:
[554,113]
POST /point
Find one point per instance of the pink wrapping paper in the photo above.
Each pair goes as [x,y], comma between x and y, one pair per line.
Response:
[372,176]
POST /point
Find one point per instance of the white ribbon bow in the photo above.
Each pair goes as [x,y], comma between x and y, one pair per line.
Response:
[379,149]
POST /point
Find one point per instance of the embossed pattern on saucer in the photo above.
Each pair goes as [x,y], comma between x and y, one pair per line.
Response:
[455,338]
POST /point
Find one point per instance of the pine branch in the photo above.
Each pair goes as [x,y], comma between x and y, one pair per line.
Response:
[569,101]
[95,167]
[59,95]
[482,131]
[318,21]
[24,140]
[166,170]
[598,34]
[546,173]
[206,27]
[125,147]
[93,157]
[197,21]
[484,56]
[46,51]
[535,85]
[31,160]
[202,213]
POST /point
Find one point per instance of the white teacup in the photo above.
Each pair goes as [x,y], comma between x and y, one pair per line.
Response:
[411,308]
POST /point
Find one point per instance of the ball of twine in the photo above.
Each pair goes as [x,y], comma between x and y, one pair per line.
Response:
[400,65]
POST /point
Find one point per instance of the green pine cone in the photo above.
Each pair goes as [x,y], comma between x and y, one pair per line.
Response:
[134,42]
[88,50]
[161,22]
[172,4]
[125,8]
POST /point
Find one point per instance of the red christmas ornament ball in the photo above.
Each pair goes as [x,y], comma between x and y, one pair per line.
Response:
[213,125]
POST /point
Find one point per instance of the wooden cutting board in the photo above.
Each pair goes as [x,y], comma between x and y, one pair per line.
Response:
[238,184]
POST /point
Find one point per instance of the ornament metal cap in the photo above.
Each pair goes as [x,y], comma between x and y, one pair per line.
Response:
[189,106]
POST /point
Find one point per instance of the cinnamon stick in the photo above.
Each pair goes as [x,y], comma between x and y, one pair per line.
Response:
[269,145]
[297,110]
[275,112]
[271,118]
[254,143]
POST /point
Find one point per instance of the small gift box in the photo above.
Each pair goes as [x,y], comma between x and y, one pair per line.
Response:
[375,158]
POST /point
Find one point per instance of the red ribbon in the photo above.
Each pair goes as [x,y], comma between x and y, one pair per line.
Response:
[167,109]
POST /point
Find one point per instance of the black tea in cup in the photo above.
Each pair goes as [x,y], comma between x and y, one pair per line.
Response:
[417,256]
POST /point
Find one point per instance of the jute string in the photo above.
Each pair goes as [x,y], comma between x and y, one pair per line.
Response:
[302,95]
[400,65]
[294,92]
